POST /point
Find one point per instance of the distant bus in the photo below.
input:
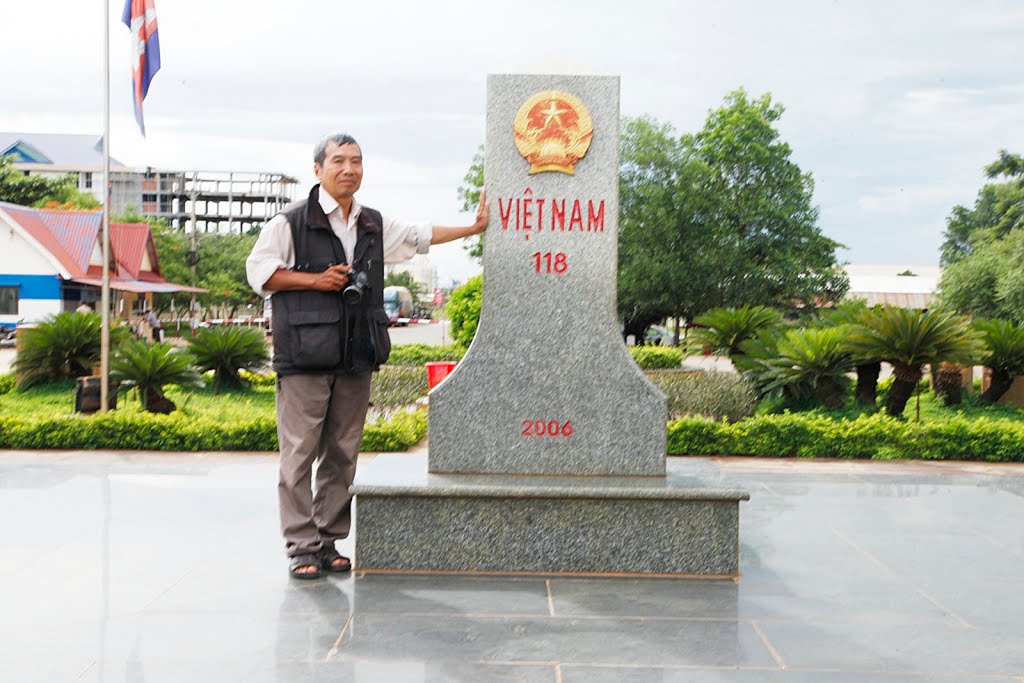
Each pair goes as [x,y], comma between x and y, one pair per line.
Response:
[397,304]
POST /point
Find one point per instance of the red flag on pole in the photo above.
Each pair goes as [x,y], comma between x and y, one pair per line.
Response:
[140,18]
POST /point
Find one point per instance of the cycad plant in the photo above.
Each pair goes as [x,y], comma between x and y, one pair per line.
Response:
[725,329]
[227,350]
[61,347]
[1004,355]
[809,362]
[851,312]
[150,367]
[908,340]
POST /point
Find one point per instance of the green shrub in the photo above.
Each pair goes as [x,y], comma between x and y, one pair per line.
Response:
[6,383]
[418,354]
[181,432]
[258,379]
[716,395]
[397,387]
[657,357]
[63,346]
[867,436]
[464,310]
[226,350]
[149,367]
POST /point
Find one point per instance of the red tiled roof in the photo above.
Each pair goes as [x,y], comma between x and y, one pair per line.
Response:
[71,237]
[129,243]
[65,238]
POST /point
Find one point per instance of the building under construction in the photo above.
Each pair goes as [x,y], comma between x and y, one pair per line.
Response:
[214,201]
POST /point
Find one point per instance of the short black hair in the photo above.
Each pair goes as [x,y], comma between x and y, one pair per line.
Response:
[320,151]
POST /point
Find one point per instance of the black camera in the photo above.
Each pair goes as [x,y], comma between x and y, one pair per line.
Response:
[358,281]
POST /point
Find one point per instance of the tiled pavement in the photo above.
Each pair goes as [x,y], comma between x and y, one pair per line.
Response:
[168,567]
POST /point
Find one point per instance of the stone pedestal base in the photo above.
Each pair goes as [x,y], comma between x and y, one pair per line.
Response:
[686,523]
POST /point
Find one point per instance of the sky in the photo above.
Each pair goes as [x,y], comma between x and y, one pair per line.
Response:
[893,107]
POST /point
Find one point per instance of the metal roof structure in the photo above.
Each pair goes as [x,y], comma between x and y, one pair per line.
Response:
[886,286]
[57,149]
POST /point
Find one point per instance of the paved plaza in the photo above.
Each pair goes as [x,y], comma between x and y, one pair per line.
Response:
[168,567]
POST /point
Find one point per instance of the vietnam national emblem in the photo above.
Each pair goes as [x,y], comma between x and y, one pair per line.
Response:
[553,131]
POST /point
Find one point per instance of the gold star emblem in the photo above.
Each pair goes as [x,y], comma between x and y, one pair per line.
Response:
[553,113]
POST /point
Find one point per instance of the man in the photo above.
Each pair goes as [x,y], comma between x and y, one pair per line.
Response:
[156,329]
[322,262]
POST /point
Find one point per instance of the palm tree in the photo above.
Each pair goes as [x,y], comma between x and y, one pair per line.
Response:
[725,329]
[61,347]
[908,340]
[852,312]
[1004,355]
[227,350]
[150,367]
[810,362]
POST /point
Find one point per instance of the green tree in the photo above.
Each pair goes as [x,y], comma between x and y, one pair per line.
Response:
[810,362]
[720,218]
[150,367]
[908,340]
[463,310]
[998,210]
[1004,355]
[404,279]
[226,350]
[39,191]
[984,248]
[725,329]
[469,198]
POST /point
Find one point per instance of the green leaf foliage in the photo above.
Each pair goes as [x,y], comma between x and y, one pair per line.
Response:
[418,354]
[875,436]
[1004,355]
[40,191]
[657,357]
[715,395]
[150,367]
[725,329]
[61,347]
[7,383]
[463,310]
[720,218]
[181,432]
[909,340]
[227,350]
[809,362]
[469,198]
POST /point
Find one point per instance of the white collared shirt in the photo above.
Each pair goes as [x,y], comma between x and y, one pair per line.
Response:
[274,249]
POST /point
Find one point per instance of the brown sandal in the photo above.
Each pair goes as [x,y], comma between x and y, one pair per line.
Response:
[305,560]
[328,557]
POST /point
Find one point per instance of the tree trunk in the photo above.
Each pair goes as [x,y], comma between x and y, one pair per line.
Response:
[948,383]
[1000,384]
[829,392]
[867,382]
[154,401]
[905,379]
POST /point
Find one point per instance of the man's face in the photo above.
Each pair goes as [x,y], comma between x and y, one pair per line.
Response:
[342,170]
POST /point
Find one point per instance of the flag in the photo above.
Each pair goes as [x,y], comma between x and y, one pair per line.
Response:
[140,18]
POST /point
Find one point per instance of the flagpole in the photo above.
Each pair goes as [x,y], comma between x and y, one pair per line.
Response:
[105,236]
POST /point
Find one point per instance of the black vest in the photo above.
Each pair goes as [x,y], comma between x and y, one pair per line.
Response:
[317,331]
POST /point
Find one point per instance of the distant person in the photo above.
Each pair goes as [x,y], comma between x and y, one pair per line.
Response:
[156,328]
[83,308]
[327,344]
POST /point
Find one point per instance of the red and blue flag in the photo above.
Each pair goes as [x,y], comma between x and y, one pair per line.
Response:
[140,18]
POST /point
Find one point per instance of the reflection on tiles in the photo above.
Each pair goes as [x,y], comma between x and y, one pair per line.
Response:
[169,567]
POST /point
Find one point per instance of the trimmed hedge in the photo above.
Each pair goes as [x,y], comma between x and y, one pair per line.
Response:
[657,357]
[868,436]
[418,354]
[177,432]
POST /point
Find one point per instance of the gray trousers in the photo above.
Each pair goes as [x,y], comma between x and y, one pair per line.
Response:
[320,419]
